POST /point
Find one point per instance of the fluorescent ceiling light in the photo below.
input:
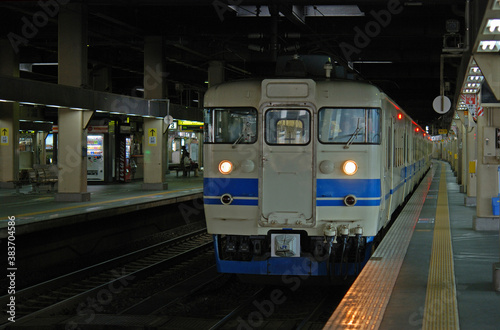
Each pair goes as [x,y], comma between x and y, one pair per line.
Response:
[488,46]
[492,27]
[470,90]
[475,78]
[475,70]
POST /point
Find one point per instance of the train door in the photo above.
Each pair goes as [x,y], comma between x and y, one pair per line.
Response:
[287,188]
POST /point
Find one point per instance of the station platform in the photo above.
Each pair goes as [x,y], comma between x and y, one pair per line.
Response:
[431,271]
[39,211]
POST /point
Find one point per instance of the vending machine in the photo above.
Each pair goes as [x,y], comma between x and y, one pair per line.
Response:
[95,157]
[124,166]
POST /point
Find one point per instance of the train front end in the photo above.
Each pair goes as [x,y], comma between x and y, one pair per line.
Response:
[292,176]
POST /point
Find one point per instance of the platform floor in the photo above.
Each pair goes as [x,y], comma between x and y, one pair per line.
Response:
[433,272]
[29,207]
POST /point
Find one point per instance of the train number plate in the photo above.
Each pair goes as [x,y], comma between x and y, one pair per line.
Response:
[285,245]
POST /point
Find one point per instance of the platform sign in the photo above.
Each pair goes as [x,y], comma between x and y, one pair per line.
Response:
[4,136]
[469,99]
[152,135]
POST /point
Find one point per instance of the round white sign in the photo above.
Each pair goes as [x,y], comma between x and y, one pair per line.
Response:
[441,107]
[168,119]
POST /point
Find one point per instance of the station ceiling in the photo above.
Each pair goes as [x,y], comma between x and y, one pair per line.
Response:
[397,45]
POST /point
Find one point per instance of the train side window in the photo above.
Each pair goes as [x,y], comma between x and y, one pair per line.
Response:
[230,125]
[340,125]
[291,127]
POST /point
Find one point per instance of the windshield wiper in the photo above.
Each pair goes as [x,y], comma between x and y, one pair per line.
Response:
[353,136]
[246,131]
[238,139]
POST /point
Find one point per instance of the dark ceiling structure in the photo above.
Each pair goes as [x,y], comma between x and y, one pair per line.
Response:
[412,50]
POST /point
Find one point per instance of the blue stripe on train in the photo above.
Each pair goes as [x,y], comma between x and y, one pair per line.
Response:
[234,186]
[240,202]
[337,202]
[339,188]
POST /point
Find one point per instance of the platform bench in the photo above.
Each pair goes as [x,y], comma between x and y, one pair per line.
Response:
[41,177]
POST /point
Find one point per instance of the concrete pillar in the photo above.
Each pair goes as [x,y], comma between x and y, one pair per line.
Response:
[155,141]
[102,79]
[9,120]
[215,73]
[490,67]
[72,143]
[487,176]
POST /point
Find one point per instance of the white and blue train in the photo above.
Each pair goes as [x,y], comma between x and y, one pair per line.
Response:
[301,175]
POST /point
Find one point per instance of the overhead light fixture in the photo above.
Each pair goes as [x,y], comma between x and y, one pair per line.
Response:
[475,70]
[488,46]
[477,79]
[492,27]
[470,90]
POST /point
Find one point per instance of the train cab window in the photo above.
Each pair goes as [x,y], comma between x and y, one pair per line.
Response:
[357,125]
[291,127]
[230,125]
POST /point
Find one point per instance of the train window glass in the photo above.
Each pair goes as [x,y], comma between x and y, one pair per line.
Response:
[230,125]
[339,125]
[287,126]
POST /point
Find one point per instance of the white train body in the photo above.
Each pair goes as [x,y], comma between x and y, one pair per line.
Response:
[277,198]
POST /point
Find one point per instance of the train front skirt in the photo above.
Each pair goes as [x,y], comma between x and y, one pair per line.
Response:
[308,266]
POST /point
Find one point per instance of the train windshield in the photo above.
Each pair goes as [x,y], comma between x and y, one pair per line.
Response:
[230,125]
[287,126]
[354,125]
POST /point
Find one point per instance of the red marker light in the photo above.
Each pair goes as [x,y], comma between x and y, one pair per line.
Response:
[400,116]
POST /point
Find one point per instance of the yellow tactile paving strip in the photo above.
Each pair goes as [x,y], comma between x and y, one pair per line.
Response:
[364,304]
[441,310]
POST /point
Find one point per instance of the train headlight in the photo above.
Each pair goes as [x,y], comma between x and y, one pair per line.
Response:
[225,167]
[350,167]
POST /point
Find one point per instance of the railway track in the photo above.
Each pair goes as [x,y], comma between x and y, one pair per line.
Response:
[95,286]
[279,307]
[223,302]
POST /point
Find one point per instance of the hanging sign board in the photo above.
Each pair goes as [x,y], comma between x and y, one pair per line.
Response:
[4,136]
